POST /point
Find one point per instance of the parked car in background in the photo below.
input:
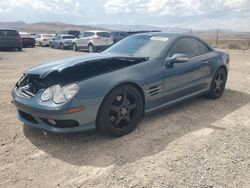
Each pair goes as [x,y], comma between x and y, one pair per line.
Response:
[27,40]
[10,39]
[93,41]
[76,33]
[118,35]
[62,41]
[33,35]
[43,39]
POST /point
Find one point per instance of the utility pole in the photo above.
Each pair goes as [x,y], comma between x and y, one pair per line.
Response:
[191,31]
[217,37]
[248,45]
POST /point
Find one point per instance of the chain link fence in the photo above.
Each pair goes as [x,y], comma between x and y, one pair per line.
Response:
[226,40]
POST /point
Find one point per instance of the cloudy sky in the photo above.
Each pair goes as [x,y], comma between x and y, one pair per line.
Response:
[197,14]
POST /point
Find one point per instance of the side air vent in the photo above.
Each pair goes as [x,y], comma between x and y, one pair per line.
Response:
[153,90]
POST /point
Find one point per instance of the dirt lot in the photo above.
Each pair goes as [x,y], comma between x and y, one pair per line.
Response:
[201,143]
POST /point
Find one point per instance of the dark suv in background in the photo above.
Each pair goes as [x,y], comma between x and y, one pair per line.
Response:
[118,35]
[27,40]
[10,39]
[76,33]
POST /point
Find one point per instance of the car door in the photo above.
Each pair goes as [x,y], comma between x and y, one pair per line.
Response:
[57,41]
[188,78]
[86,37]
[79,41]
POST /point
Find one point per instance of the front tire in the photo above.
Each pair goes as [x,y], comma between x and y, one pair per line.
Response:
[91,48]
[120,111]
[62,46]
[218,84]
[75,48]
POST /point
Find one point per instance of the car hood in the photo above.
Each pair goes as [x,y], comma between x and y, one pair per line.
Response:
[59,65]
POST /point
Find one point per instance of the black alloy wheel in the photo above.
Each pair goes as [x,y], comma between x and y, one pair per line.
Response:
[121,111]
[218,84]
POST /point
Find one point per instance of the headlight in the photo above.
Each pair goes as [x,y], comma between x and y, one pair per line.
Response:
[60,94]
[47,95]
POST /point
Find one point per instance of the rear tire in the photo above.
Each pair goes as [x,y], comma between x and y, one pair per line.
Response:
[20,49]
[120,111]
[218,84]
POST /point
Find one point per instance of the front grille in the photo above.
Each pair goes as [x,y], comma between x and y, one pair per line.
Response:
[27,116]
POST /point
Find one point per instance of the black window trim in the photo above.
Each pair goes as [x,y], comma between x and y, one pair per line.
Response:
[209,48]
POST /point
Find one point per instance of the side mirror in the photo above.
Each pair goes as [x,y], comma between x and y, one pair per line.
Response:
[177,58]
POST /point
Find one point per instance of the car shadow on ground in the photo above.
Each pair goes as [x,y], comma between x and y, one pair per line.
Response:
[152,135]
[11,50]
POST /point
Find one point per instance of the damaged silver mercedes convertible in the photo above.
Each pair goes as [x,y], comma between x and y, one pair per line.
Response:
[112,90]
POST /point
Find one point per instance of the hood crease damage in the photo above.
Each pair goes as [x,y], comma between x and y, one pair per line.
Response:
[78,71]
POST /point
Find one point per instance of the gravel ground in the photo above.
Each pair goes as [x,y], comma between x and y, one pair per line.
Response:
[200,143]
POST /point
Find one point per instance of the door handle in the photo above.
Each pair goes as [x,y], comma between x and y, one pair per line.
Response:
[205,62]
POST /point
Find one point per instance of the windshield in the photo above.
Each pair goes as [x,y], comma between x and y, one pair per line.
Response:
[139,46]
[75,33]
[68,37]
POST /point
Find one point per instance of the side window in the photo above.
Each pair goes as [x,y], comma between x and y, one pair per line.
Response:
[88,34]
[187,46]
[80,35]
[116,34]
[203,48]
